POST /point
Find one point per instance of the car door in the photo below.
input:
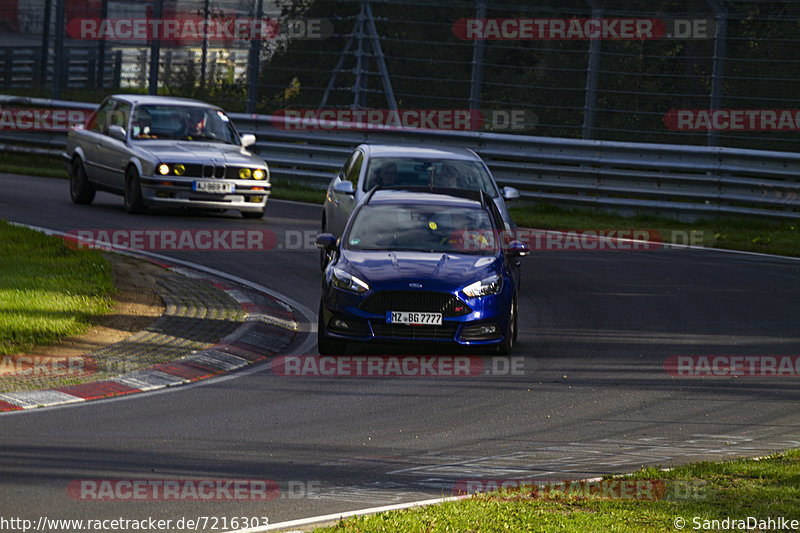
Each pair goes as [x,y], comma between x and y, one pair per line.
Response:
[112,153]
[344,203]
[92,139]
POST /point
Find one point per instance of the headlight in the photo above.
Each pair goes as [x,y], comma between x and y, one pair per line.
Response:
[484,287]
[258,174]
[244,173]
[163,169]
[179,169]
[345,281]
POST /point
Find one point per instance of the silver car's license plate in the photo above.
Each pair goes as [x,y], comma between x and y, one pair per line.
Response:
[219,187]
[411,318]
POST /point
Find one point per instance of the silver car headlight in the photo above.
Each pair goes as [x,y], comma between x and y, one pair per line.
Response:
[343,280]
[485,287]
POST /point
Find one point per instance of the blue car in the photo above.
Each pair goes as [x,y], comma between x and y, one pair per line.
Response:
[421,265]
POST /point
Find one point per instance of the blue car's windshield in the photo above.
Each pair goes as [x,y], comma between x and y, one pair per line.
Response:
[185,123]
[414,172]
[424,228]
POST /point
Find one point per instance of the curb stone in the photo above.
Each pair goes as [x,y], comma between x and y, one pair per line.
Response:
[269,327]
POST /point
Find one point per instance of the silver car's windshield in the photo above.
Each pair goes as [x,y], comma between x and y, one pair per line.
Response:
[426,228]
[185,123]
[414,172]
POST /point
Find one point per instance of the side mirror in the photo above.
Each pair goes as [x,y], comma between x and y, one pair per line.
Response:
[518,248]
[248,139]
[117,132]
[510,193]
[344,187]
[326,241]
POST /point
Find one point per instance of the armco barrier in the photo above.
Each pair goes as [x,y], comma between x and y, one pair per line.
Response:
[692,180]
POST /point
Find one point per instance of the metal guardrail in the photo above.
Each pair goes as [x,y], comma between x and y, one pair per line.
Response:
[692,180]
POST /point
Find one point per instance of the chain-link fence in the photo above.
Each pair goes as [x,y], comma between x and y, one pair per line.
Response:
[717,72]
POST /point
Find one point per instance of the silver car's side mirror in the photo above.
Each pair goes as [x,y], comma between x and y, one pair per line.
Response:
[344,187]
[510,193]
[248,139]
[117,132]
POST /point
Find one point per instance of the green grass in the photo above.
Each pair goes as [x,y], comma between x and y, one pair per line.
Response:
[47,291]
[710,490]
[734,233]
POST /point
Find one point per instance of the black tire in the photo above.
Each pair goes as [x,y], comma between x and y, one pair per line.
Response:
[326,345]
[81,189]
[133,192]
[253,214]
[507,347]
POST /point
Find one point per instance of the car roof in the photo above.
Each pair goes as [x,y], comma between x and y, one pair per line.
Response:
[144,99]
[418,151]
[449,197]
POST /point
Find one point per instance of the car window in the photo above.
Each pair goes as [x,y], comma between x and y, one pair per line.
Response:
[426,228]
[185,123]
[120,115]
[355,169]
[415,172]
[99,121]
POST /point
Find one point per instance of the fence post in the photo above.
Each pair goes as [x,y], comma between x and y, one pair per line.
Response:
[48,7]
[592,77]
[101,50]
[476,83]
[117,69]
[58,65]
[718,69]
[155,50]
[253,64]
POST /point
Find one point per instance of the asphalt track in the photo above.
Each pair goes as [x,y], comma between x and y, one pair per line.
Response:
[593,395]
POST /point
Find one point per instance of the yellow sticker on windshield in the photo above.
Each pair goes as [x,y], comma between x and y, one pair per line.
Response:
[432,225]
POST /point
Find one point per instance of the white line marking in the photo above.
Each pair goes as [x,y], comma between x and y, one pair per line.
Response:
[336,516]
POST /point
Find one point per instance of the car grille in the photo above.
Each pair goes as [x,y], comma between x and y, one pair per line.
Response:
[400,331]
[420,301]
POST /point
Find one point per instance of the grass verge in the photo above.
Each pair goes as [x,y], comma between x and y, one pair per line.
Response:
[733,233]
[47,291]
[692,496]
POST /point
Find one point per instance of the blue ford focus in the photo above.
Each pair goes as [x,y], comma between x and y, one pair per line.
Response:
[421,266]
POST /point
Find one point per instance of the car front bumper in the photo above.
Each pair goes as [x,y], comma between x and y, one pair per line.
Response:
[248,195]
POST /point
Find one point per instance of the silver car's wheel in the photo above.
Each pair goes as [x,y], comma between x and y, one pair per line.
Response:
[80,189]
[133,192]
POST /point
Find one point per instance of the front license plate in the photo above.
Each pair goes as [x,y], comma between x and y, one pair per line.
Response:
[219,187]
[411,318]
